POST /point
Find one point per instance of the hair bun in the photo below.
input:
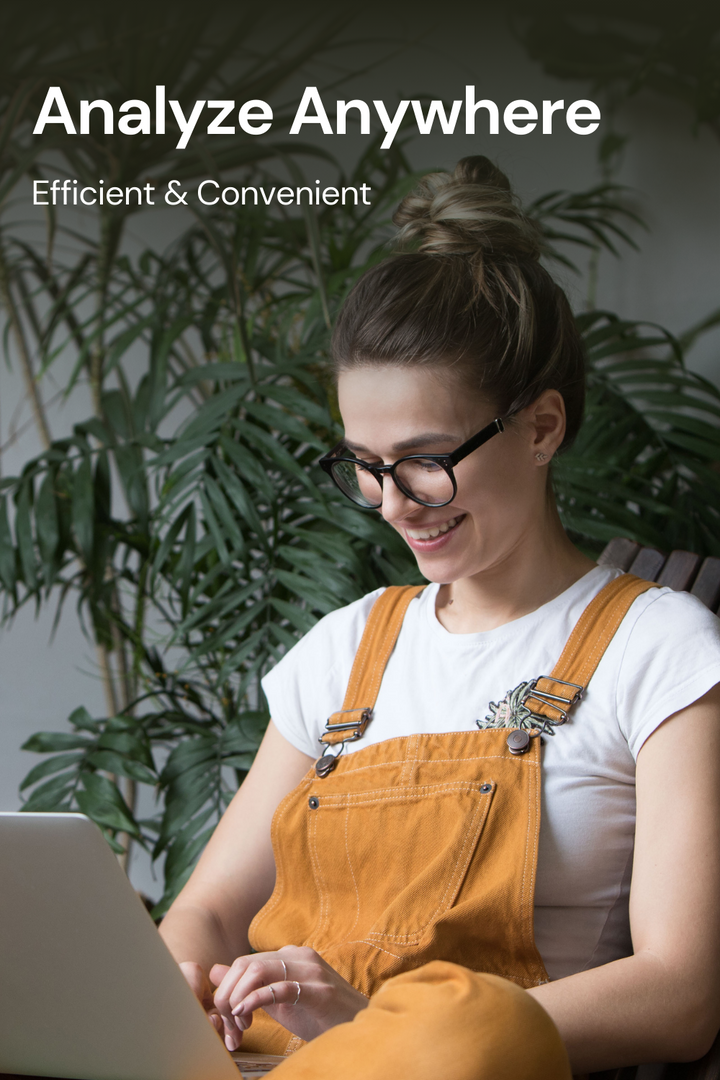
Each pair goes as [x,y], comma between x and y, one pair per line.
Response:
[471,211]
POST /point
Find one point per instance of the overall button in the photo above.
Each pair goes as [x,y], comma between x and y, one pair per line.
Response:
[313,802]
[325,765]
[518,741]
[485,789]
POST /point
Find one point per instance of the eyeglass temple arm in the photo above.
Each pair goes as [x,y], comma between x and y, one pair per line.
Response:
[493,428]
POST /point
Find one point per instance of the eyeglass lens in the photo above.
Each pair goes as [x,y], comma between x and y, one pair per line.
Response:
[420,478]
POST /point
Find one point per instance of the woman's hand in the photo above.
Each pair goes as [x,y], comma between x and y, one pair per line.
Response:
[294,985]
[202,988]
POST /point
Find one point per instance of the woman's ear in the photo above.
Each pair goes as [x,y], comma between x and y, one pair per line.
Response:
[546,422]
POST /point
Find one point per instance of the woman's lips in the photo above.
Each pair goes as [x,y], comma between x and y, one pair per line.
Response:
[432,537]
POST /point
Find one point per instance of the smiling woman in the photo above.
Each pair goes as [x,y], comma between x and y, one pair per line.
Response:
[404,887]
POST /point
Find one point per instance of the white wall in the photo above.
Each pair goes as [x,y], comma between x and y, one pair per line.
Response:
[674,280]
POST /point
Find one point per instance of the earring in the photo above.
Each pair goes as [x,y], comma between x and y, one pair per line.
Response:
[541,456]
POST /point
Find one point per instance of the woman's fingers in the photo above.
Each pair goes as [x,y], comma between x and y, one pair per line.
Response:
[218,973]
[246,974]
[281,993]
[225,979]
[295,985]
[231,1031]
[232,977]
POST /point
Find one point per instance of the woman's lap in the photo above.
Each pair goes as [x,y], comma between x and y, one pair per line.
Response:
[439,1022]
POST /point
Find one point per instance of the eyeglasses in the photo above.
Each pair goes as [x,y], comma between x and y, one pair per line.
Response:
[427,479]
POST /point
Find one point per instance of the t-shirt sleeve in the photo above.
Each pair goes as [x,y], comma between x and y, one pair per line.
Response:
[671,658]
[309,683]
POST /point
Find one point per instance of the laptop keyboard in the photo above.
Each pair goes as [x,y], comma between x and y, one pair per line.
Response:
[252,1065]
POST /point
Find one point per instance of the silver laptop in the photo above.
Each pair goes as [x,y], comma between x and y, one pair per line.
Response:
[88,989]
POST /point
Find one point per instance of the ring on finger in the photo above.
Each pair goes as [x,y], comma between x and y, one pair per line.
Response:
[271,988]
[284,970]
[298,994]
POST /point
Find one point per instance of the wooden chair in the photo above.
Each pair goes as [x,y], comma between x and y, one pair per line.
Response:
[686,572]
[681,570]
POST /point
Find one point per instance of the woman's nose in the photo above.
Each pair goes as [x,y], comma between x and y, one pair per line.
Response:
[395,504]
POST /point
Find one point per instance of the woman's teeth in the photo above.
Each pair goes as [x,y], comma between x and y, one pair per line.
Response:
[429,534]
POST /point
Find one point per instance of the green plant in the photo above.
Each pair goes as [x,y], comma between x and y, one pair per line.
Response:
[88,310]
[645,464]
[230,545]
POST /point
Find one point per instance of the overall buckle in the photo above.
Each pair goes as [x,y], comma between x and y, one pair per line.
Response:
[355,728]
[553,701]
[516,712]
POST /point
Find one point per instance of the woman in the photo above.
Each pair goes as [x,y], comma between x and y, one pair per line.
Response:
[418,923]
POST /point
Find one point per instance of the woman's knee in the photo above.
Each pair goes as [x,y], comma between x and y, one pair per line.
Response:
[488,1025]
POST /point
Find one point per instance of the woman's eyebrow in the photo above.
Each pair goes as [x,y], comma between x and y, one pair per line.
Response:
[430,438]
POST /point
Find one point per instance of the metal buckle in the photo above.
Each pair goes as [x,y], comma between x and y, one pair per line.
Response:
[365,715]
[327,761]
[550,699]
[580,690]
[514,712]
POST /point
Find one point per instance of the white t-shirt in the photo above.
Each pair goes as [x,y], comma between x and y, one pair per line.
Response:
[665,655]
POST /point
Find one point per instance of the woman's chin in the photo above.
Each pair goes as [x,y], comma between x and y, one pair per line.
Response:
[442,570]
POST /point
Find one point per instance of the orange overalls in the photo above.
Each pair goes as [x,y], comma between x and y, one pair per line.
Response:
[410,867]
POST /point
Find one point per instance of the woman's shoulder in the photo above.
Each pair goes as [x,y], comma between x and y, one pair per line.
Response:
[669,657]
[659,617]
[308,683]
[664,617]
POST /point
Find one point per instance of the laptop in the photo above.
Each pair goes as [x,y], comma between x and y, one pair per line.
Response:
[88,988]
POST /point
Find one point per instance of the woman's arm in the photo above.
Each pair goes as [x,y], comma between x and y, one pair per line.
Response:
[208,922]
[662,1003]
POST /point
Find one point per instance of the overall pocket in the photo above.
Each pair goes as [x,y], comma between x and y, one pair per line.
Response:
[388,863]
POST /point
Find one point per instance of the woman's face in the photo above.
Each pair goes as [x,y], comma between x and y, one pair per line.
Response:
[391,411]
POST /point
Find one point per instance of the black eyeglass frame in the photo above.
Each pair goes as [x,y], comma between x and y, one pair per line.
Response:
[446,461]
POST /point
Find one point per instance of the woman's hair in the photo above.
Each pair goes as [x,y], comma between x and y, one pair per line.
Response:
[471,296]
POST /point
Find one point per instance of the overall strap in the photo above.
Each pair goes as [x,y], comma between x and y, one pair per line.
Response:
[547,700]
[552,695]
[378,641]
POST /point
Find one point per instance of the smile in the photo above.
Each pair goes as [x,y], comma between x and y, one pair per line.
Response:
[433,531]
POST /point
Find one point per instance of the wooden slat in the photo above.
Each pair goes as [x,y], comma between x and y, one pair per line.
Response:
[647,564]
[619,552]
[707,583]
[679,571]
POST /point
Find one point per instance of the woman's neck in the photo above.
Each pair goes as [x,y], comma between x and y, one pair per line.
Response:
[536,570]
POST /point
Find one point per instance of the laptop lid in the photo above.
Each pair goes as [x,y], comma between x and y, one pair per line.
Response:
[89,989]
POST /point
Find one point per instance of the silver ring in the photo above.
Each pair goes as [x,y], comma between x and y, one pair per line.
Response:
[271,988]
[298,994]
[284,969]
